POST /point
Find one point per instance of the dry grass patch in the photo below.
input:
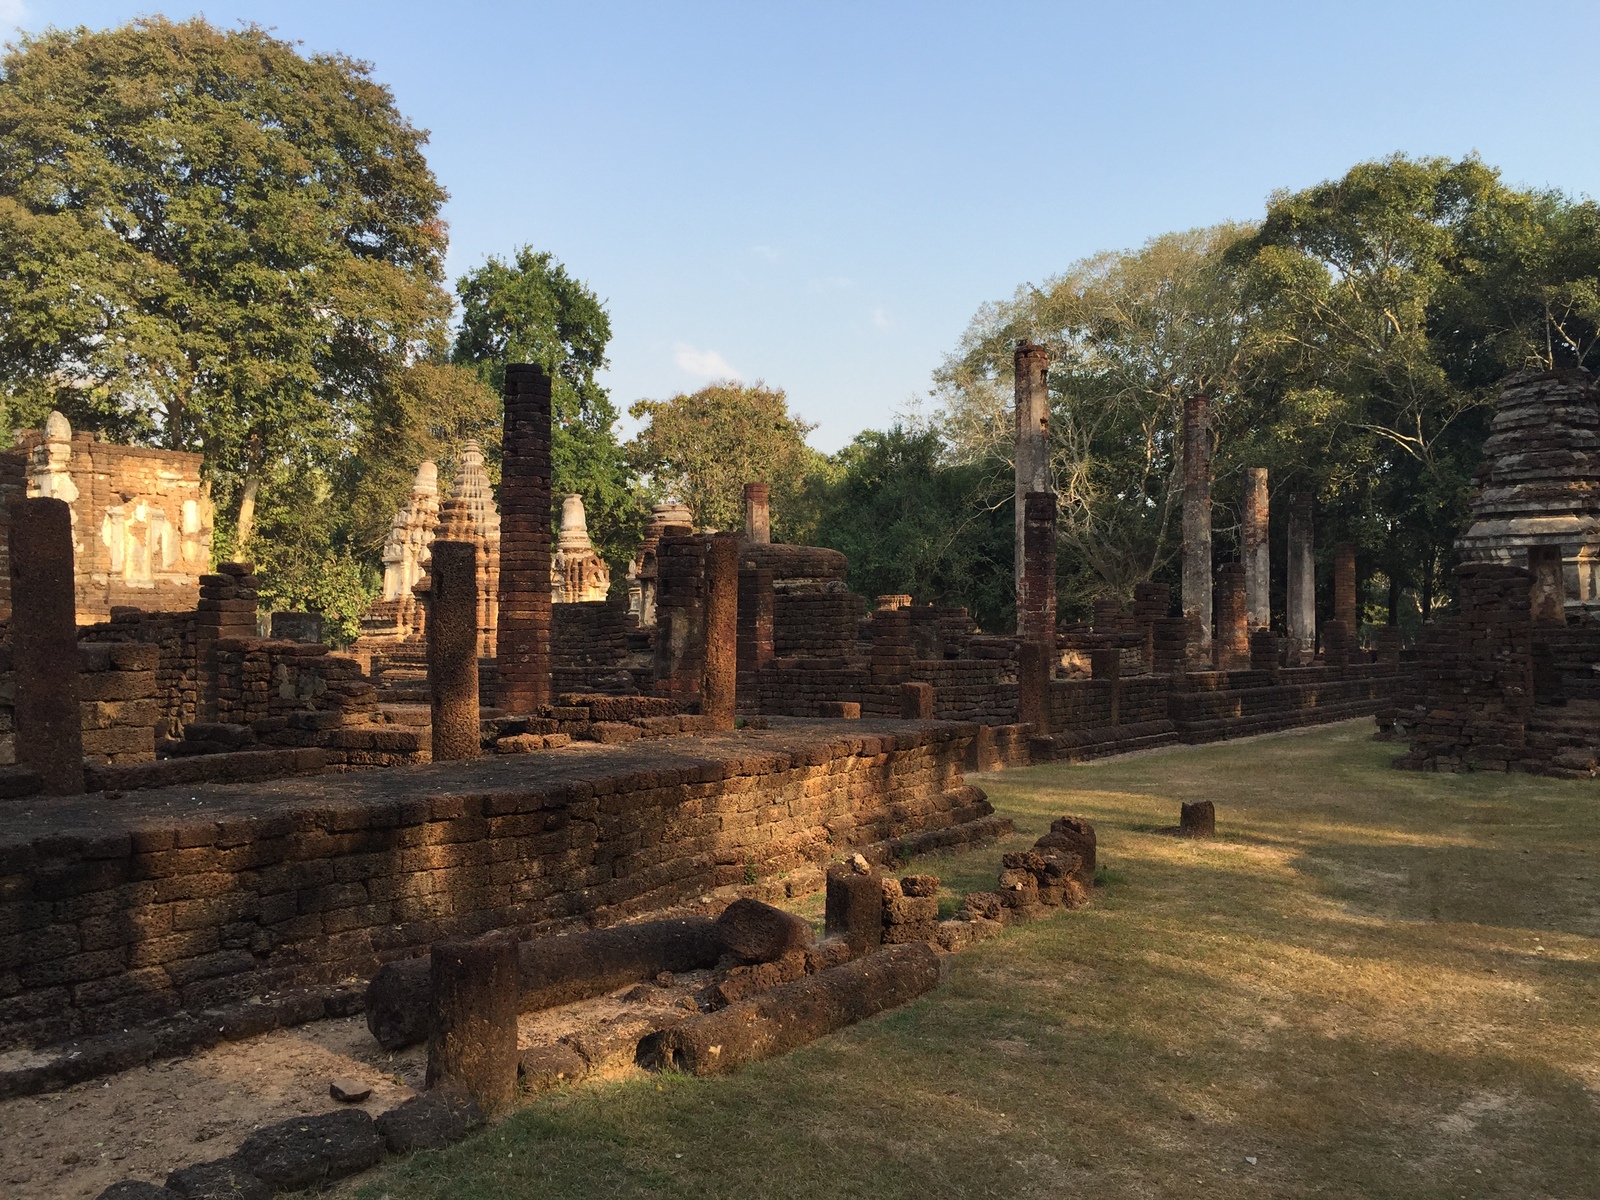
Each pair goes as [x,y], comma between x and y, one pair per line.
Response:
[1372,983]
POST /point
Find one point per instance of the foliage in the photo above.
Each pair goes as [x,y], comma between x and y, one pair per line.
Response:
[911,522]
[303,555]
[1390,304]
[701,448]
[208,241]
[530,310]
[1352,343]
[432,410]
[1130,336]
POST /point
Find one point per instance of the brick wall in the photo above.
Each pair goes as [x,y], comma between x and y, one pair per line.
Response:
[115,911]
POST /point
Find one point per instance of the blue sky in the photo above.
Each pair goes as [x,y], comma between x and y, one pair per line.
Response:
[821,195]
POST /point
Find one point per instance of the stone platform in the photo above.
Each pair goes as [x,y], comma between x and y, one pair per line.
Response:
[164,904]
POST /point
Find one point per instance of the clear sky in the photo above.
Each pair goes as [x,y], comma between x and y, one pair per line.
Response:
[822,194]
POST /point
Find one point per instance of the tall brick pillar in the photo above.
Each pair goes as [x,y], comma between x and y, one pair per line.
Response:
[1197,523]
[1346,606]
[1232,646]
[1302,601]
[44,645]
[522,638]
[891,645]
[1547,594]
[756,604]
[718,680]
[757,513]
[453,650]
[1257,556]
[1034,665]
[1031,364]
[1036,596]
[680,614]
[1151,602]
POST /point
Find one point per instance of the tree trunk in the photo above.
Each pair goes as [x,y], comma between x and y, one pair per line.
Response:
[1394,599]
[247,497]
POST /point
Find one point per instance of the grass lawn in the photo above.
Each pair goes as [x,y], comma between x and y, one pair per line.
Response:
[1372,983]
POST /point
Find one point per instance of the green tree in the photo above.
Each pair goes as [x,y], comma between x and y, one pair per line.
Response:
[702,448]
[532,310]
[208,241]
[1131,335]
[1391,304]
[913,522]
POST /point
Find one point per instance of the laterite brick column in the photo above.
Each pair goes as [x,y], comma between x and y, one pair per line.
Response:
[227,609]
[1233,618]
[1033,686]
[522,639]
[453,650]
[1197,523]
[1302,603]
[1257,556]
[891,645]
[757,514]
[44,646]
[718,679]
[756,604]
[1036,600]
[680,614]
[1346,607]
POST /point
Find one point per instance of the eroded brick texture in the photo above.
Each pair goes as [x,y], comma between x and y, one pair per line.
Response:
[114,911]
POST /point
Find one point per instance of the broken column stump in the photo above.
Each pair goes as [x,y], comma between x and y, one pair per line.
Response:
[916,701]
[854,909]
[1033,686]
[472,1039]
[44,641]
[793,1014]
[453,651]
[1197,820]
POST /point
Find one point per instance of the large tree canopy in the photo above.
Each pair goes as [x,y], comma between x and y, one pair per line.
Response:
[531,310]
[702,447]
[208,241]
[1352,343]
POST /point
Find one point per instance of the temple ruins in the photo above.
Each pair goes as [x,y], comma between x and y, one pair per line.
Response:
[746,717]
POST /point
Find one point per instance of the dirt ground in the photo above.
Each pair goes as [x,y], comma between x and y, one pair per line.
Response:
[143,1123]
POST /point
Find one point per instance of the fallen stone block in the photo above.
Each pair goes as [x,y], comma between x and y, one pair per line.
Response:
[550,971]
[546,1067]
[909,932]
[223,1179]
[988,905]
[793,1014]
[909,910]
[743,982]
[854,910]
[311,1151]
[919,885]
[1076,835]
[759,933]
[430,1121]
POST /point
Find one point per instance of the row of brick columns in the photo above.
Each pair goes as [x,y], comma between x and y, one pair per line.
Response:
[522,632]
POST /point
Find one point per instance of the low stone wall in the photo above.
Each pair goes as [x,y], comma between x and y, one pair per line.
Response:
[120,910]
